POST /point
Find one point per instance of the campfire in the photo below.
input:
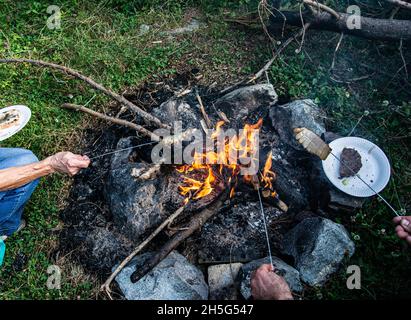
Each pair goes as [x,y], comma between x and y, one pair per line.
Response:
[209,207]
[225,162]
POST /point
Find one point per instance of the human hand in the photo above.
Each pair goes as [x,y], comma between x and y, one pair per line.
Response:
[403,228]
[68,163]
[267,285]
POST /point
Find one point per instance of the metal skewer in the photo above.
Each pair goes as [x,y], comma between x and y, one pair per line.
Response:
[265,227]
[125,149]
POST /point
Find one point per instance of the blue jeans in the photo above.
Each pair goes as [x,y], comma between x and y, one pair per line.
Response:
[12,202]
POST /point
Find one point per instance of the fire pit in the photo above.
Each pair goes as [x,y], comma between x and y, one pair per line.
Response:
[121,199]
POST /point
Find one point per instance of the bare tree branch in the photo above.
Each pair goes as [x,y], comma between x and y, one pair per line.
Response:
[400,3]
[121,122]
[146,116]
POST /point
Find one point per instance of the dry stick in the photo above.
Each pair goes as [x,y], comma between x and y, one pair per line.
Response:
[270,62]
[203,112]
[336,50]
[146,116]
[125,123]
[170,219]
[196,223]
[323,7]
[278,52]
[400,3]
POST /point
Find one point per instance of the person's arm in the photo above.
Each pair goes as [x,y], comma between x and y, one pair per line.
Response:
[267,285]
[63,162]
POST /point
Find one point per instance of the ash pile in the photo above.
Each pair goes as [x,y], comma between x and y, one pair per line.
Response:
[118,202]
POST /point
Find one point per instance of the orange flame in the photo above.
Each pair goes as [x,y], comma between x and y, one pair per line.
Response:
[210,165]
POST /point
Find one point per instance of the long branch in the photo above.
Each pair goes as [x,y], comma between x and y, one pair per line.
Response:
[141,246]
[400,3]
[146,116]
[125,123]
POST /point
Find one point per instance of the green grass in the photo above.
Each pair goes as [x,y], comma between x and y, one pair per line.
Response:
[103,42]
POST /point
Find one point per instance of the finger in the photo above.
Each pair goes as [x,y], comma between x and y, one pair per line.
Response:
[402,234]
[399,228]
[406,224]
[266,267]
[397,220]
[78,163]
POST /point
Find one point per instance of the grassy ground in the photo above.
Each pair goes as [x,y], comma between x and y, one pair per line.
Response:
[104,42]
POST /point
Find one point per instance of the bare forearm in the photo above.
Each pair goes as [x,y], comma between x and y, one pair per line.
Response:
[14,177]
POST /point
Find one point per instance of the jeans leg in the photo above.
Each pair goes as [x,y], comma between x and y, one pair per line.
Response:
[12,202]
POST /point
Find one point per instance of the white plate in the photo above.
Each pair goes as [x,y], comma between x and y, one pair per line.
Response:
[24,117]
[375,170]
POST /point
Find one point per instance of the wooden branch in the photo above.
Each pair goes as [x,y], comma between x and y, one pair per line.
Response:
[196,223]
[371,28]
[121,122]
[203,112]
[270,62]
[141,246]
[400,3]
[284,45]
[316,4]
[146,116]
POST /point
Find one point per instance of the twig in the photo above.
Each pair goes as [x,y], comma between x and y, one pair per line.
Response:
[278,52]
[403,59]
[400,3]
[195,223]
[323,7]
[336,50]
[121,122]
[203,112]
[106,285]
[146,116]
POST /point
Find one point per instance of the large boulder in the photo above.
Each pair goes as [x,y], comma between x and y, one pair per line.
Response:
[290,275]
[299,113]
[223,282]
[239,104]
[177,109]
[174,278]
[237,234]
[318,247]
[138,206]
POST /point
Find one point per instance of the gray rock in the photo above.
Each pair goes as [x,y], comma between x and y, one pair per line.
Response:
[243,102]
[299,113]
[144,28]
[174,278]
[236,235]
[222,281]
[138,206]
[318,247]
[178,110]
[290,275]
[193,25]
